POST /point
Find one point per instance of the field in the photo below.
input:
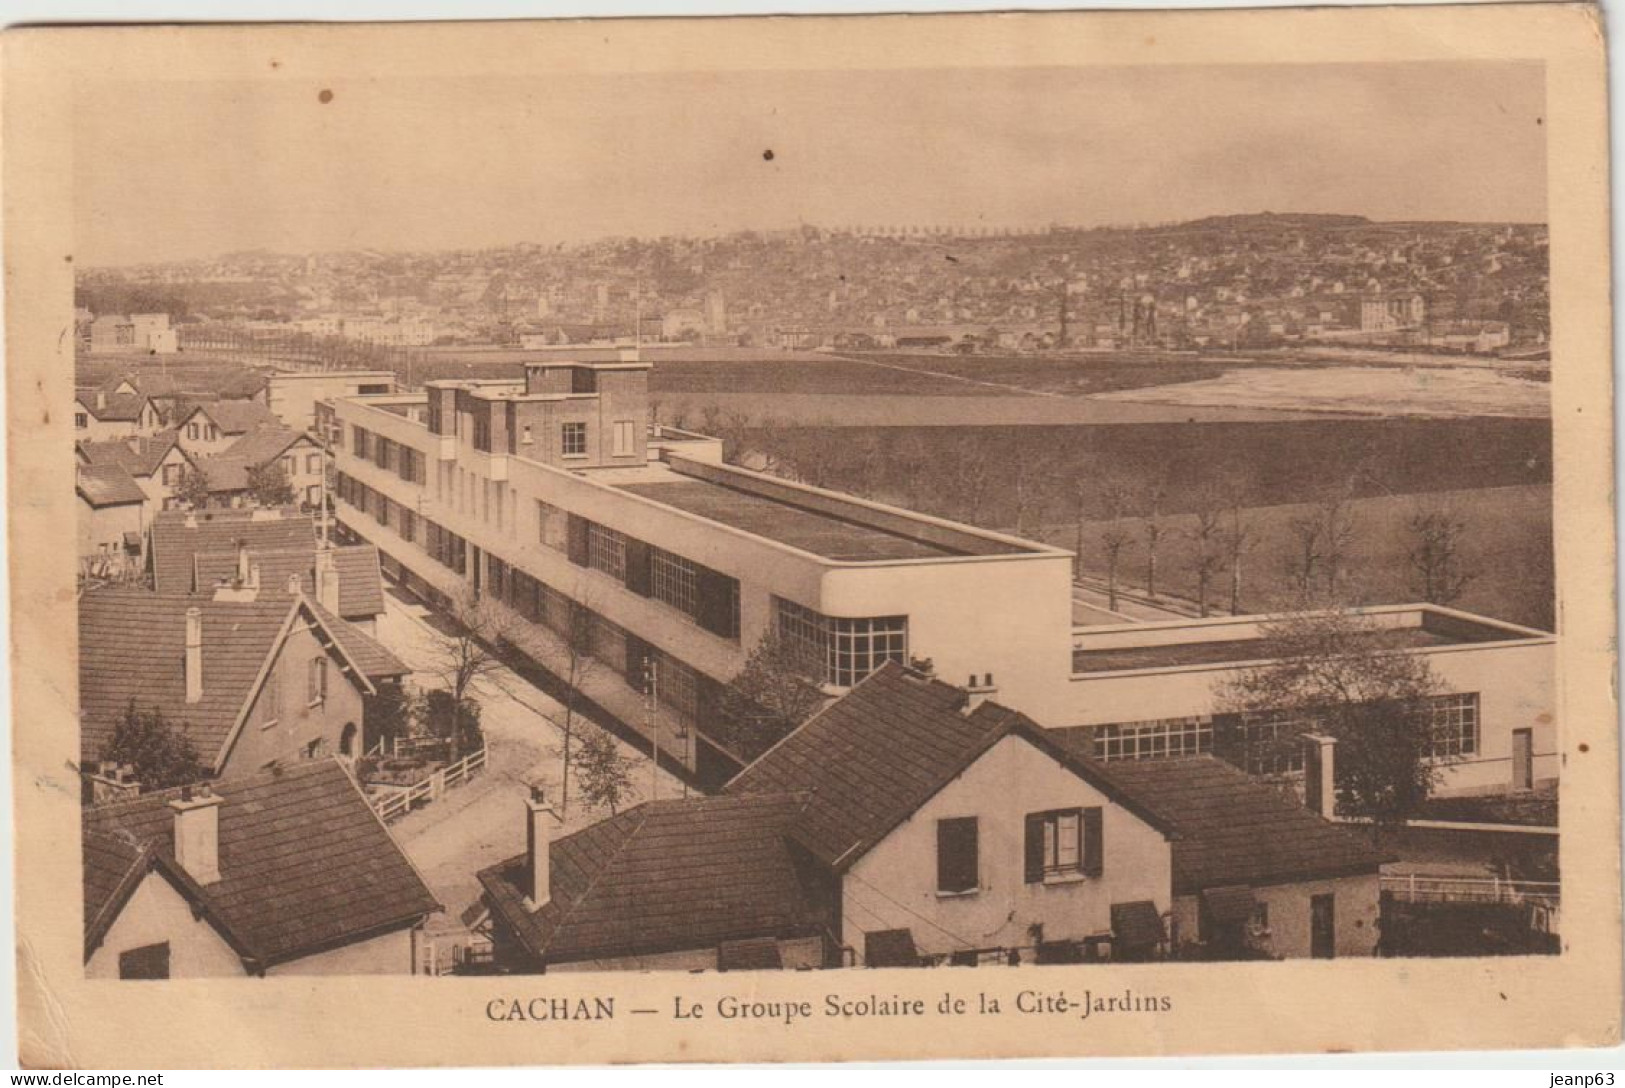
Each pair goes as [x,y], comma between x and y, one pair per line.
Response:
[1493,474]
[1507,544]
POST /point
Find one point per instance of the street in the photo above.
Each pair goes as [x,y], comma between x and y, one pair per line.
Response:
[480,823]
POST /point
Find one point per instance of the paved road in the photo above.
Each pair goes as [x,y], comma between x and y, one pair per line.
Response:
[476,825]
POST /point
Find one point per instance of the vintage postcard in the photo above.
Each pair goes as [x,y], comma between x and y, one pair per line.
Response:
[812,538]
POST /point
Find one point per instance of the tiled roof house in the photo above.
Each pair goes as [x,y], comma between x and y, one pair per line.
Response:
[252,682]
[286,871]
[924,825]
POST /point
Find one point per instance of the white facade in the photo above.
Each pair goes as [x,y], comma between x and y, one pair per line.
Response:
[894,885]
[158,914]
[1511,675]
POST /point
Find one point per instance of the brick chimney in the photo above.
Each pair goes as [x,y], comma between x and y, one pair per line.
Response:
[540,823]
[194,654]
[978,693]
[197,833]
[1320,774]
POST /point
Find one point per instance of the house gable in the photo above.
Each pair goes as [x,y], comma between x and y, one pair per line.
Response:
[894,885]
[156,911]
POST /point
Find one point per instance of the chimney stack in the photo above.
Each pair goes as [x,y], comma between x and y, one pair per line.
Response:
[327,581]
[242,563]
[540,823]
[194,654]
[197,833]
[978,693]
[1320,774]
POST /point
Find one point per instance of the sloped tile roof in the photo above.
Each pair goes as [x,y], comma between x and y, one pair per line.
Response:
[139,456]
[263,443]
[174,544]
[117,408]
[113,864]
[366,653]
[361,579]
[666,875]
[305,864]
[1232,829]
[108,485]
[224,474]
[235,416]
[873,757]
[276,567]
[132,645]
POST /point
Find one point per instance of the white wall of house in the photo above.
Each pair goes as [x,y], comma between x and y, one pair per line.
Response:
[387,954]
[156,913]
[102,528]
[1356,910]
[894,885]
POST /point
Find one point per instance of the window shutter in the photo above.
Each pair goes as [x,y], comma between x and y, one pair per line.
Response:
[719,603]
[577,545]
[1094,846]
[1035,848]
[958,868]
[637,566]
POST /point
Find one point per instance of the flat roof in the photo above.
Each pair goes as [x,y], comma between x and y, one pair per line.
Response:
[1173,655]
[800,527]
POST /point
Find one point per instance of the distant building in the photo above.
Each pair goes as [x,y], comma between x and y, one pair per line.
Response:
[193,883]
[1392,311]
[100,415]
[155,462]
[680,323]
[292,395]
[112,520]
[143,334]
[212,427]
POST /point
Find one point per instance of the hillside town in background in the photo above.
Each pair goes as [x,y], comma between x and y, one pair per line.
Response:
[1179,592]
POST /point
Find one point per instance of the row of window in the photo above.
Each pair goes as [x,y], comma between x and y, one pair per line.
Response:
[840,651]
[707,597]
[650,669]
[389,455]
[1057,845]
[1265,744]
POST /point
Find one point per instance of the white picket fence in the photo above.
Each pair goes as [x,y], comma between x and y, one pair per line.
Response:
[393,802]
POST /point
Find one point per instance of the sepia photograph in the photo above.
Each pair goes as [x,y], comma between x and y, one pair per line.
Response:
[686,521]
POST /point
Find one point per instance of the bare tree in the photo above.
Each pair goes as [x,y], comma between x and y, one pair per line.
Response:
[465,651]
[1303,563]
[1114,531]
[970,476]
[1336,513]
[1239,536]
[1027,484]
[1207,544]
[1153,527]
[1335,672]
[1439,572]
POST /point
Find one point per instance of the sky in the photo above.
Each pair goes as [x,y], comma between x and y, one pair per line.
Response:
[182,170]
